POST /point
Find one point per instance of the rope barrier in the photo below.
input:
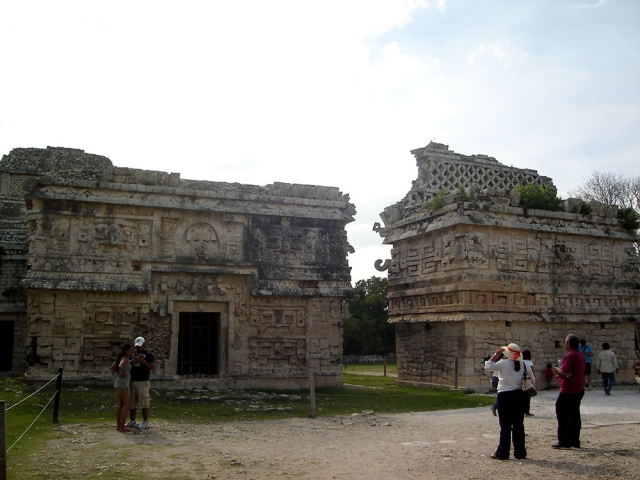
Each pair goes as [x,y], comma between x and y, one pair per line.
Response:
[386,395]
[41,412]
[56,396]
[26,398]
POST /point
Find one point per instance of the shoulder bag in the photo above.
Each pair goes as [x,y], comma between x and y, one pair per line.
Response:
[527,384]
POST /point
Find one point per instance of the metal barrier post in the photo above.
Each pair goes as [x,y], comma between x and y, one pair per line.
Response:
[56,404]
[456,374]
[312,394]
[3,440]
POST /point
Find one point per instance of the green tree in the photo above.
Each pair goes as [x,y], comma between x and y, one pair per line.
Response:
[366,331]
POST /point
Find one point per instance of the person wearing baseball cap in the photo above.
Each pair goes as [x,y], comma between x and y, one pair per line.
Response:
[142,363]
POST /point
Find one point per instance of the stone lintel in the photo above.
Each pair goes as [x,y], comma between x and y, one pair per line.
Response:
[168,267]
[12,307]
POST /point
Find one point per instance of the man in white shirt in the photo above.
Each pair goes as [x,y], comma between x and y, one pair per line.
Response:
[607,366]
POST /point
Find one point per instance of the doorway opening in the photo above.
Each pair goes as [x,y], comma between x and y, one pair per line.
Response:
[6,346]
[198,343]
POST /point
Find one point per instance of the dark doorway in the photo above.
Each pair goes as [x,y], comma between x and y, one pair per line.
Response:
[198,343]
[6,346]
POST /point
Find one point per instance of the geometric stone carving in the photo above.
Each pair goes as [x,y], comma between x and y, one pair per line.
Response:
[481,271]
[117,253]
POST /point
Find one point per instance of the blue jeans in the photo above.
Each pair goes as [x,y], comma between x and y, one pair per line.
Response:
[608,379]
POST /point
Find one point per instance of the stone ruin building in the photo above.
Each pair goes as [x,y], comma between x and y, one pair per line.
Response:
[480,272]
[232,285]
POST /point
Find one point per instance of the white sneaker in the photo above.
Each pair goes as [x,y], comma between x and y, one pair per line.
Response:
[144,425]
[130,424]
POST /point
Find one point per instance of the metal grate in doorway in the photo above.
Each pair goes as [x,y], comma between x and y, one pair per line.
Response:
[198,343]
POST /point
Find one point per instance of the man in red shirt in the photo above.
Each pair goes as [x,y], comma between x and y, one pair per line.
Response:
[571,379]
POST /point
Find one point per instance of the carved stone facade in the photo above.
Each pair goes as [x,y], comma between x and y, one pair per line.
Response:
[114,253]
[481,272]
[442,169]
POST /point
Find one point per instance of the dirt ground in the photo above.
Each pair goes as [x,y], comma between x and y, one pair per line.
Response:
[444,445]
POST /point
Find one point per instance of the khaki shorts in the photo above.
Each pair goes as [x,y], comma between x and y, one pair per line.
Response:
[123,392]
[140,395]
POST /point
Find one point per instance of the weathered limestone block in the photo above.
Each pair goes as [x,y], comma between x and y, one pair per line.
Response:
[45,341]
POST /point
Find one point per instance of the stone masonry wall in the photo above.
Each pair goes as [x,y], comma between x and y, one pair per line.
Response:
[481,272]
[427,351]
[115,253]
[19,171]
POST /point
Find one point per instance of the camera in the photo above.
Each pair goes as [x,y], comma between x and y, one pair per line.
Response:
[137,355]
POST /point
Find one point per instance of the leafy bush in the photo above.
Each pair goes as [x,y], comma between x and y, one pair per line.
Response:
[585,209]
[629,218]
[461,194]
[540,198]
[436,202]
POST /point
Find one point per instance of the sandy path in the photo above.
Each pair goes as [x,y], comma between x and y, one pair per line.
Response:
[444,445]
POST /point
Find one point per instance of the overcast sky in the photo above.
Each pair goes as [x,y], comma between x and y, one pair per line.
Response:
[326,92]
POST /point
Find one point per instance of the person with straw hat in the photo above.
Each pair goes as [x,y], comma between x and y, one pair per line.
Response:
[512,400]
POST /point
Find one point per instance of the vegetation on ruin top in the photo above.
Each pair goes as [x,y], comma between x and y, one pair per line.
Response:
[539,198]
[629,218]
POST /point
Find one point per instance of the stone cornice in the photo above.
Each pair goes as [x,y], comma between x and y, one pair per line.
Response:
[201,200]
[495,215]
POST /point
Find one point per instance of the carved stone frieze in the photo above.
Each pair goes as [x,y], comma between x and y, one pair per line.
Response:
[115,253]
[479,272]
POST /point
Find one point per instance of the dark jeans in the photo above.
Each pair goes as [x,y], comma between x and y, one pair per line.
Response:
[511,408]
[568,416]
[608,379]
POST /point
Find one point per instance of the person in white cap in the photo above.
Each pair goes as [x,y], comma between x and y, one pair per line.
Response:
[512,400]
[142,363]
